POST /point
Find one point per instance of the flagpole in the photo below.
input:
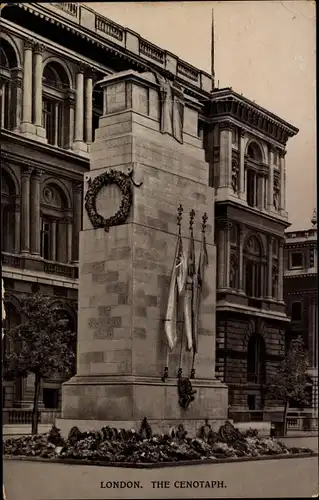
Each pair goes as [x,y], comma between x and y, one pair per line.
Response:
[192,375]
[213,51]
[179,221]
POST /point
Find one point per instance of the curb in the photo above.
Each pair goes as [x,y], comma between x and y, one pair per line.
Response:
[159,465]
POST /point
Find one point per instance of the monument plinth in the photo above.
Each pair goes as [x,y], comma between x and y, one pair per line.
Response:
[147,159]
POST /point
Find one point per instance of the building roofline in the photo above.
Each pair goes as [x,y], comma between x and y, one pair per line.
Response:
[229,92]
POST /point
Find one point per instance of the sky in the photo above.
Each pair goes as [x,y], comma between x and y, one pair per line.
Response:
[264,50]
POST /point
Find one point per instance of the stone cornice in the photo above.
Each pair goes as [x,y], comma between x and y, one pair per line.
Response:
[226,103]
[8,157]
[114,38]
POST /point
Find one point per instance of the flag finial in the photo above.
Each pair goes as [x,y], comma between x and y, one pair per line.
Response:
[204,220]
[191,219]
[179,215]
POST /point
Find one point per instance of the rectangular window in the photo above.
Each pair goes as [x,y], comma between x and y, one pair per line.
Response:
[52,121]
[296,311]
[297,259]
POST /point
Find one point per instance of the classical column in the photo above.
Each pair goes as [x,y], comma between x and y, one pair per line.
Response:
[269,266]
[88,107]
[271,181]
[35,212]
[17,83]
[27,88]
[241,256]
[78,144]
[69,238]
[281,269]
[282,180]
[25,210]
[37,105]
[225,154]
[71,121]
[242,164]
[77,218]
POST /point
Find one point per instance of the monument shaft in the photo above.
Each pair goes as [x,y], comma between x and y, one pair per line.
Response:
[125,271]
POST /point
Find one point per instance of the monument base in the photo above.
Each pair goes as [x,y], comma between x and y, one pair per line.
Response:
[91,402]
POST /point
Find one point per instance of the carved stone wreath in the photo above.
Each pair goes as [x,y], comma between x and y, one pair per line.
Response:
[124,182]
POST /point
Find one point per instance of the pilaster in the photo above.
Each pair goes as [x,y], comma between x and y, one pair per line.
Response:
[35,212]
[25,209]
[282,160]
[269,266]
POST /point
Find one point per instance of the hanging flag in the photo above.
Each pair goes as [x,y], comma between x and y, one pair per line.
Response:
[199,281]
[189,292]
[176,284]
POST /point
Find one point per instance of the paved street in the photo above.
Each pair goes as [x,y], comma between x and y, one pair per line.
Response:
[290,478]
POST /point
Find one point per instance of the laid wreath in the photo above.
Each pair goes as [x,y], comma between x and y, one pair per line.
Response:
[124,182]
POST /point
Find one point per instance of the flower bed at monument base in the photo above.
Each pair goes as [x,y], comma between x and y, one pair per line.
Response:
[112,445]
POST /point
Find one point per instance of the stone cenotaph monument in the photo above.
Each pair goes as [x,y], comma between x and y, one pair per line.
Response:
[146,160]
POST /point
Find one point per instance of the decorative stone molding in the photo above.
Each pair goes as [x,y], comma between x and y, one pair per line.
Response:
[77,187]
[81,68]
[235,176]
[39,48]
[242,132]
[226,125]
[38,172]
[276,194]
[224,224]
[28,44]
[27,171]
[282,154]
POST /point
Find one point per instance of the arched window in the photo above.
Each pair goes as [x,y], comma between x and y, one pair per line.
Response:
[55,104]
[256,360]
[8,207]
[254,266]
[97,108]
[55,234]
[8,87]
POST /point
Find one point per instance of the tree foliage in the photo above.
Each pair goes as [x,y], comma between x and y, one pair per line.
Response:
[42,344]
[291,380]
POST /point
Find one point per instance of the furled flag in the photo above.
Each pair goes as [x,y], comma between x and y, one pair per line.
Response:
[3,313]
[177,286]
[189,293]
[199,281]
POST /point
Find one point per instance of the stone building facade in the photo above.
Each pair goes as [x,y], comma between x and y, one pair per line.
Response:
[52,59]
[247,146]
[301,295]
